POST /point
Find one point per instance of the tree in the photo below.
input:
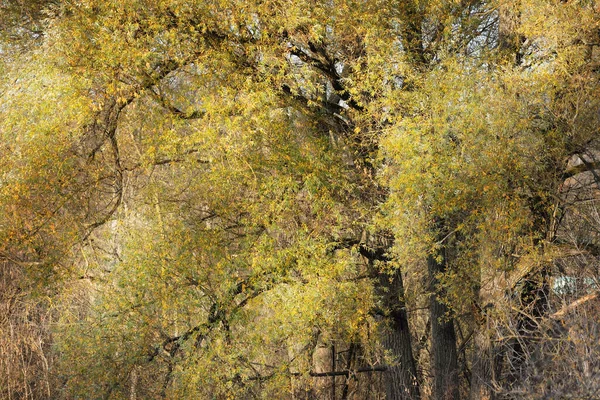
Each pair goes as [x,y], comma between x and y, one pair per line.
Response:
[245,199]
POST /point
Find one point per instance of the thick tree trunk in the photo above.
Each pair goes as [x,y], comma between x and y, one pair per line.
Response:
[401,379]
[482,368]
[323,362]
[485,359]
[444,355]
[534,306]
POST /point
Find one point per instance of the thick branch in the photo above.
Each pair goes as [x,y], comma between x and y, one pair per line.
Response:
[569,307]
[169,106]
[381,368]
[327,67]
[347,372]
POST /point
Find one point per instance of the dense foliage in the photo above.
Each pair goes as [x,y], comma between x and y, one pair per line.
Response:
[347,199]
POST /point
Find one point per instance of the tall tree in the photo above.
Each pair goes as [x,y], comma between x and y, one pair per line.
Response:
[213,193]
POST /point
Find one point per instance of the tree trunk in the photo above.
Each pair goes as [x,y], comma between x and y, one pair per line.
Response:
[401,379]
[534,305]
[482,373]
[444,354]
[322,363]
[486,358]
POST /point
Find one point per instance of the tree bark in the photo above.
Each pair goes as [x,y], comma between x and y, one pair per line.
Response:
[400,379]
[534,306]
[482,372]
[444,355]
[322,366]
[485,361]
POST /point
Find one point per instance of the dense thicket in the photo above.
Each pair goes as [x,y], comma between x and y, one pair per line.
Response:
[299,199]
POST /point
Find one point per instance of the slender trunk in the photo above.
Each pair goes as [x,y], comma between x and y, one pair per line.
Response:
[444,355]
[401,379]
[349,362]
[134,382]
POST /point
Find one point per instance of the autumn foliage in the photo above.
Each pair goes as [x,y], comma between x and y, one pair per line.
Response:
[293,199]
